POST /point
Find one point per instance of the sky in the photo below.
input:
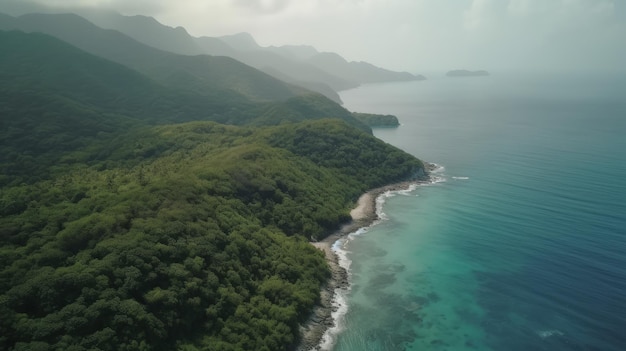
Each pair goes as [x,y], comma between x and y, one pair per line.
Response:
[409,35]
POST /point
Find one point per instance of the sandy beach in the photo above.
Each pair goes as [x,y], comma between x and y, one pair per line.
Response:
[363,215]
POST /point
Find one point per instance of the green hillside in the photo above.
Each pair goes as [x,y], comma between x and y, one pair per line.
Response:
[375,120]
[130,219]
[209,75]
[301,65]
[58,98]
[40,63]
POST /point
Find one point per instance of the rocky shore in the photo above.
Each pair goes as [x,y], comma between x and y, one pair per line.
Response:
[363,215]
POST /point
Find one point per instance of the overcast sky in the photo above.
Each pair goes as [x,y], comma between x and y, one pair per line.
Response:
[412,35]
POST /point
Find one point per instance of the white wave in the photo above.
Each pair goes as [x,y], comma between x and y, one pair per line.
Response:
[436,180]
[460,178]
[544,334]
[436,174]
[437,168]
[340,299]
[380,202]
[340,308]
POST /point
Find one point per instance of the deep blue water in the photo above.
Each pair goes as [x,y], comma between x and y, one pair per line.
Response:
[522,245]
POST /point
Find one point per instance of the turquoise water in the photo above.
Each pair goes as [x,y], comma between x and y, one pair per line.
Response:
[522,243]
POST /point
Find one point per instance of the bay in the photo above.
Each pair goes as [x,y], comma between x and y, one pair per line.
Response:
[522,244]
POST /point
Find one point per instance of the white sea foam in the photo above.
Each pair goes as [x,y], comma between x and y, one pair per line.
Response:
[340,299]
[437,168]
[460,178]
[436,180]
[544,334]
[340,308]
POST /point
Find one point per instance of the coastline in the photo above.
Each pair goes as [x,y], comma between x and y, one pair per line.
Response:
[363,215]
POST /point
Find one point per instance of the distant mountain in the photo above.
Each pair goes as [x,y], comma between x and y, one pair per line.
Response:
[42,63]
[293,70]
[6,19]
[241,47]
[294,63]
[50,88]
[214,46]
[241,41]
[319,87]
[466,73]
[206,74]
[146,30]
[362,72]
[57,98]
[300,52]
[131,220]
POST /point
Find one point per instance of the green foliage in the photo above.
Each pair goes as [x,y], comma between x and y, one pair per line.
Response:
[55,99]
[127,233]
[42,65]
[185,234]
[375,120]
[349,151]
[213,76]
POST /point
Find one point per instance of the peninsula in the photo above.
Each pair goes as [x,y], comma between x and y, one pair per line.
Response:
[169,198]
[364,214]
[375,120]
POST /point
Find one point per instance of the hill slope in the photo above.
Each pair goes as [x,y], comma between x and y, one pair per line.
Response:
[204,74]
[123,232]
[303,64]
[361,72]
[45,79]
[57,98]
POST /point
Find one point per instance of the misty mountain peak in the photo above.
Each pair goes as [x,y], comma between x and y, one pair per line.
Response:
[300,52]
[329,58]
[241,41]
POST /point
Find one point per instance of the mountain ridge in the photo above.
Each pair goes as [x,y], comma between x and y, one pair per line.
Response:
[293,64]
[243,47]
[124,226]
[203,72]
[55,73]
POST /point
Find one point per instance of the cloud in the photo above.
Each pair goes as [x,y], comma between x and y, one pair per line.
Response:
[485,14]
[620,9]
[555,34]
[145,7]
[409,34]
[263,6]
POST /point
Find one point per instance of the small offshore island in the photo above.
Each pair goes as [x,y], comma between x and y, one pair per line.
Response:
[466,73]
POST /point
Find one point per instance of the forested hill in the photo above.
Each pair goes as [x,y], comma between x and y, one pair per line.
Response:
[297,64]
[132,217]
[209,75]
[57,98]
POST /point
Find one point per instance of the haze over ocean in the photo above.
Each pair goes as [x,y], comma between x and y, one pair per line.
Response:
[522,246]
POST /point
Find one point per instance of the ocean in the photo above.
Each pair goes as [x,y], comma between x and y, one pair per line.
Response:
[519,243]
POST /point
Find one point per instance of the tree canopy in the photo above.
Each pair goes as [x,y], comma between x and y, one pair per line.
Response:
[123,228]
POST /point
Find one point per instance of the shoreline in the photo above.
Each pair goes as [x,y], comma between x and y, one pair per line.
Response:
[363,215]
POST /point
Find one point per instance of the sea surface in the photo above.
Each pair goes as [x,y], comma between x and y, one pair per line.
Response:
[520,243]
